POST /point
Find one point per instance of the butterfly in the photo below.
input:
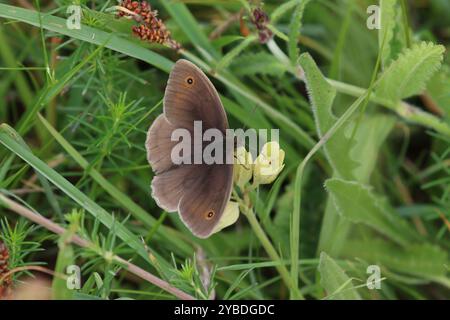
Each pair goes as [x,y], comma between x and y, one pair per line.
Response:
[198,192]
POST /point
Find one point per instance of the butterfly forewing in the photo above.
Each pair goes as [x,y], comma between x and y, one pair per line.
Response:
[190,96]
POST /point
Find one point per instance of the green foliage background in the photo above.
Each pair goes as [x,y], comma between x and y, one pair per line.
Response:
[367,144]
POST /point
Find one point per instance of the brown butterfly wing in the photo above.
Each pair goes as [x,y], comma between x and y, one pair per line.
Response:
[169,187]
[159,144]
[198,192]
[203,204]
[191,96]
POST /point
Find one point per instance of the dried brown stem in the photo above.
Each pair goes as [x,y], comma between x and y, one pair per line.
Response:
[32,268]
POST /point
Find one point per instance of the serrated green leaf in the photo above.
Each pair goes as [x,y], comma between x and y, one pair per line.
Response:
[258,63]
[388,11]
[424,260]
[357,203]
[335,281]
[322,95]
[398,41]
[408,75]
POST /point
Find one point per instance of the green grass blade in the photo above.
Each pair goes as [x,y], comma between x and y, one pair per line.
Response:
[88,34]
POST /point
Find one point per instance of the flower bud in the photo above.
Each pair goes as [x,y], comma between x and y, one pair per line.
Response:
[268,164]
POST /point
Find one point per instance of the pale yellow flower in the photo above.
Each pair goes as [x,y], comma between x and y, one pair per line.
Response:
[243,167]
[268,164]
[230,216]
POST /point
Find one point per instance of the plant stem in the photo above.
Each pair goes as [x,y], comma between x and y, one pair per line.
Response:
[273,254]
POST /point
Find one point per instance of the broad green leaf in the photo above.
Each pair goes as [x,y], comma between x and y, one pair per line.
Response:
[294,31]
[357,203]
[334,229]
[334,280]
[425,260]
[371,134]
[388,9]
[409,73]
[322,95]
[438,89]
